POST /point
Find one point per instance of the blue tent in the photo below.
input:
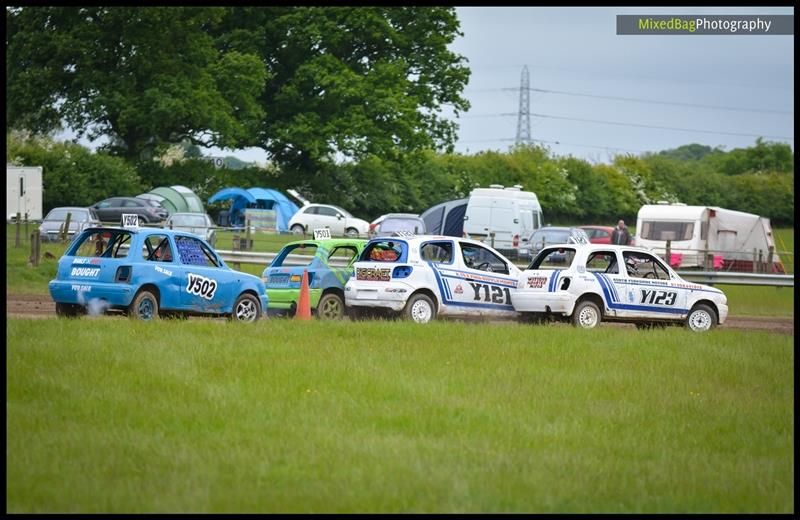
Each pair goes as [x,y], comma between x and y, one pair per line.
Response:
[261,198]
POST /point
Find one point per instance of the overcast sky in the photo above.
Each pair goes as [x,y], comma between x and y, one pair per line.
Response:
[576,50]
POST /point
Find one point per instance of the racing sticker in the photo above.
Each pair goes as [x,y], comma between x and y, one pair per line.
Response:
[536,282]
[373,274]
[659,297]
[90,272]
[491,293]
[201,286]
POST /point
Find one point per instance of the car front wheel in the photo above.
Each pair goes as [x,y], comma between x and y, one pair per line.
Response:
[587,315]
[420,309]
[351,233]
[701,318]
[144,306]
[246,308]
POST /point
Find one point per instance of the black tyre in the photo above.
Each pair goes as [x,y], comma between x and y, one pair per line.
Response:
[420,309]
[701,318]
[351,232]
[587,315]
[297,229]
[246,309]
[144,306]
[68,310]
[330,307]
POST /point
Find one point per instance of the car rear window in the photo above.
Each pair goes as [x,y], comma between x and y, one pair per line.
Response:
[105,243]
[301,254]
[385,251]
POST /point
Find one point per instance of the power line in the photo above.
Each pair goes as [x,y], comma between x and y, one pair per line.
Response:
[641,100]
[561,143]
[619,123]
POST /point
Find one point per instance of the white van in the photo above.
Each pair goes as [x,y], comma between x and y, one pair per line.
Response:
[510,213]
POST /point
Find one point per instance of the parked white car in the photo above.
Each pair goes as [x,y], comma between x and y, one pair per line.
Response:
[584,283]
[318,216]
[427,276]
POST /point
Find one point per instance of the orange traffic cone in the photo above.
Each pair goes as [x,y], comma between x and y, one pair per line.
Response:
[304,302]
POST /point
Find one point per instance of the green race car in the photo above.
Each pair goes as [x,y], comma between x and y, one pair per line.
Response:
[329,263]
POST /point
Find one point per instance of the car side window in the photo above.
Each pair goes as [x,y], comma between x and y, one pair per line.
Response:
[194,252]
[440,252]
[103,204]
[327,212]
[130,204]
[602,262]
[343,255]
[644,265]
[311,211]
[481,259]
[156,248]
[104,244]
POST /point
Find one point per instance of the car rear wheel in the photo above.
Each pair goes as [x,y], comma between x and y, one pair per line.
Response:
[420,309]
[144,306]
[701,318]
[246,308]
[587,315]
[297,229]
[330,307]
[351,232]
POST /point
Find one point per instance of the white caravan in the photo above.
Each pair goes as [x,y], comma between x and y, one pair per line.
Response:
[510,213]
[729,237]
[24,191]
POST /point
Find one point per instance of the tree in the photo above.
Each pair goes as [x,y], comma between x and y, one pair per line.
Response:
[143,77]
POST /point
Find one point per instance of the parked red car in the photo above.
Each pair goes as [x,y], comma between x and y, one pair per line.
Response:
[601,234]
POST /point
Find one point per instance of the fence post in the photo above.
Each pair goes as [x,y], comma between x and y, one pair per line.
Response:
[34,259]
[668,253]
[760,260]
[66,227]
[755,260]
[705,258]
[26,223]
[769,259]
[19,223]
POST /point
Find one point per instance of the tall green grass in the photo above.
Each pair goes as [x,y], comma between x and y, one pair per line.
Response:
[108,415]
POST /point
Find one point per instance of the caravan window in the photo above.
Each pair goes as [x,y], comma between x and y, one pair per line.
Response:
[654,230]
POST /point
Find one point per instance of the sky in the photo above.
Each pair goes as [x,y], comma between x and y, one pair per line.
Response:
[576,50]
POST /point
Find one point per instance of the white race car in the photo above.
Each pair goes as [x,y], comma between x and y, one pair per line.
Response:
[585,283]
[426,276]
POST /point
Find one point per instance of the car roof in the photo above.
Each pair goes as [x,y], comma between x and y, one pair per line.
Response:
[142,231]
[604,247]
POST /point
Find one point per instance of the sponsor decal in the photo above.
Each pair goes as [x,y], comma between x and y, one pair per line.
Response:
[536,282]
[89,272]
[631,296]
[373,274]
[458,289]
[201,286]
[83,261]
[162,270]
[659,297]
[81,288]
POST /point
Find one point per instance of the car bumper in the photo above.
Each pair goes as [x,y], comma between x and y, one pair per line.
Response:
[723,313]
[560,303]
[387,295]
[116,294]
[286,298]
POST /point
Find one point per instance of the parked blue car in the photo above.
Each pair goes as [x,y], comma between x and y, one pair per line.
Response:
[147,272]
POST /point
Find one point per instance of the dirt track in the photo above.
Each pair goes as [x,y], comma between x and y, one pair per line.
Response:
[28,305]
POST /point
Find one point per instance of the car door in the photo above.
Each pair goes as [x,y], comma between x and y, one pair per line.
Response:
[103,210]
[603,265]
[133,207]
[650,292]
[331,218]
[488,280]
[205,286]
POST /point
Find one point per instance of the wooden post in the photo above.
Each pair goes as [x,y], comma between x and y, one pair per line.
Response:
[66,227]
[26,224]
[19,223]
[769,259]
[760,260]
[705,258]
[669,253]
[34,259]
[755,260]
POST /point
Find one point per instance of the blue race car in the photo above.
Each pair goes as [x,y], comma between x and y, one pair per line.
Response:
[144,272]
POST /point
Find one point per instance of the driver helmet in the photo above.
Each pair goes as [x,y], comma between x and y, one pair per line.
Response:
[630,262]
[469,257]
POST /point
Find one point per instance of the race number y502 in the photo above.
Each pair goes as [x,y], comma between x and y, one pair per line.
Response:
[201,286]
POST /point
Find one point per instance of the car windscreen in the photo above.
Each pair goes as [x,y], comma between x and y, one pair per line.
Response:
[344,212]
[60,214]
[550,237]
[189,220]
[553,258]
[402,224]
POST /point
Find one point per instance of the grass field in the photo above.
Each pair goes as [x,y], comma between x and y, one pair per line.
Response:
[286,416]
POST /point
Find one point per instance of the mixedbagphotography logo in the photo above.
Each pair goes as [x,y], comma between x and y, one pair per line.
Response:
[705,24]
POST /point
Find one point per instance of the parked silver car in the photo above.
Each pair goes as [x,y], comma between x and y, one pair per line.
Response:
[80,219]
[199,224]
